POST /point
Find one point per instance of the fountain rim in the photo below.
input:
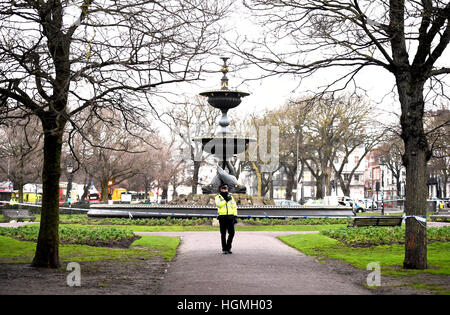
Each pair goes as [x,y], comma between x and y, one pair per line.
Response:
[224,92]
[218,137]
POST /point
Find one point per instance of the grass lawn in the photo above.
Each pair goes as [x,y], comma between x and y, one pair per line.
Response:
[390,257]
[14,251]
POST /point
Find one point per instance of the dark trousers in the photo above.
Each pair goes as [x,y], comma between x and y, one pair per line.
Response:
[226,225]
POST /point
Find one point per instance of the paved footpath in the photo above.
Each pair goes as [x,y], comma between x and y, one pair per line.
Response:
[260,264]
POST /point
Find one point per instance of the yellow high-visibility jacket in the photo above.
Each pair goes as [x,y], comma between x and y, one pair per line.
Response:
[224,207]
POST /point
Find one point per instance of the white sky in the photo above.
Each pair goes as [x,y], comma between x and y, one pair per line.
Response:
[273,92]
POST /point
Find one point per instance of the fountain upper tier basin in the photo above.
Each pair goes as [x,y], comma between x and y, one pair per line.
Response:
[224,146]
[224,99]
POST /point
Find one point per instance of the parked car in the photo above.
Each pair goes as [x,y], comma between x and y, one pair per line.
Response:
[360,206]
[314,202]
[370,204]
[346,201]
[94,198]
[286,203]
[447,202]
[357,205]
[341,201]
[434,204]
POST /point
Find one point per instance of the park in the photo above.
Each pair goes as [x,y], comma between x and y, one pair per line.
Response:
[125,161]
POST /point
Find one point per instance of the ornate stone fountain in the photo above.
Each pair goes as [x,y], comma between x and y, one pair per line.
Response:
[224,144]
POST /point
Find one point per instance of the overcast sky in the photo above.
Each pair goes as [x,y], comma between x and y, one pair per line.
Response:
[273,92]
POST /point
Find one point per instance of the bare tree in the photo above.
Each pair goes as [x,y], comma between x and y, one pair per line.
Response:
[438,132]
[169,167]
[147,163]
[290,120]
[391,151]
[61,58]
[190,120]
[110,151]
[21,152]
[334,130]
[403,38]
[355,120]
[257,157]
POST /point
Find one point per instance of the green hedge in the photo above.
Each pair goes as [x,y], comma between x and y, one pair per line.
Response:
[373,235]
[83,219]
[290,221]
[79,235]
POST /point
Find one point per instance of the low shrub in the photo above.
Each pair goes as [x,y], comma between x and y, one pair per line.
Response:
[377,235]
[291,221]
[79,235]
[83,219]
[170,221]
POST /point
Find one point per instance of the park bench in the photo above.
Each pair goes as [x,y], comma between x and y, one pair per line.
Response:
[20,214]
[376,221]
[441,216]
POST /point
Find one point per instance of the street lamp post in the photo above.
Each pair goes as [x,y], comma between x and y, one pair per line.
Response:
[69,184]
[382,163]
[110,190]
[439,187]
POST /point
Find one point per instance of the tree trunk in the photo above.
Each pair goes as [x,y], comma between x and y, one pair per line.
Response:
[444,185]
[21,182]
[86,188]
[416,232]
[416,196]
[195,176]
[258,177]
[289,185]
[321,181]
[104,192]
[146,186]
[20,193]
[398,184]
[346,189]
[270,185]
[174,193]
[47,249]
[165,193]
[415,160]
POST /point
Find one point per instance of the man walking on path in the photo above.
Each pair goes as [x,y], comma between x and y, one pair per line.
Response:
[227,211]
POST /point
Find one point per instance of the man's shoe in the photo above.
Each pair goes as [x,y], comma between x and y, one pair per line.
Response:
[224,252]
[230,252]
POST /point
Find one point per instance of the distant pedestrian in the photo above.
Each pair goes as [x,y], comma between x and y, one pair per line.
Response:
[227,211]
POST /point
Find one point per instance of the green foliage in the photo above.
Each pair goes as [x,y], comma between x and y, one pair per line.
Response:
[291,221]
[377,235]
[74,235]
[84,219]
[171,221]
